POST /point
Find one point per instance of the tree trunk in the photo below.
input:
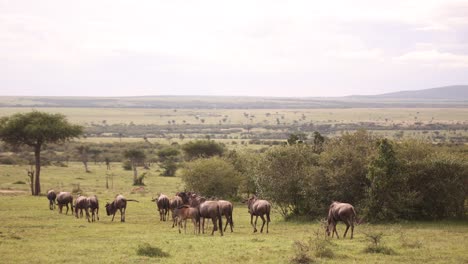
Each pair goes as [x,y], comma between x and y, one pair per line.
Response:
[85,163]
[135,173]
[37,155]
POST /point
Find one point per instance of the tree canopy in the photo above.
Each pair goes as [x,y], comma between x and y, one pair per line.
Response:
[35,129]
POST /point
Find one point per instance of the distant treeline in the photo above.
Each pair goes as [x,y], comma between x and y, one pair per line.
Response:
[207,102]
[267,132]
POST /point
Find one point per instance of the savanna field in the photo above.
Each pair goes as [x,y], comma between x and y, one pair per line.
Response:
[31,233]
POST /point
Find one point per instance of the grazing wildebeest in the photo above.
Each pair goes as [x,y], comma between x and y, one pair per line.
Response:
[51,195]
[119,203]
[185,197]
[184,212]
[81,203]
[210,209]
[174,203]
[163,206]
[340,212]
[226,208]
[64,198]
[94,207]
[259,208]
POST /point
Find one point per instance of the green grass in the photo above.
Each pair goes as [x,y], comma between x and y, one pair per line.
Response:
[30,232]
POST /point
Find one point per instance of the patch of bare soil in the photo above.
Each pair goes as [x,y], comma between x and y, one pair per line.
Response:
[12,192]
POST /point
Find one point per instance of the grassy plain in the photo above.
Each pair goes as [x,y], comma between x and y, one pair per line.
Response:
[31,233]
[252,116]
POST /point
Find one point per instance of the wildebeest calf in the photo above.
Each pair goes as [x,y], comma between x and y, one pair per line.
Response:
[340,212]
[64,198]
[174,203]
[119,203]
[258,208]
[184,212]
[51,196]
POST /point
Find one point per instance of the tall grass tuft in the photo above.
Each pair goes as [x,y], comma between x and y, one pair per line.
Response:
[150,251]
[317,247]
[376,245]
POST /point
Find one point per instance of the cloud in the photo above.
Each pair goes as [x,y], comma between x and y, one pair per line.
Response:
[434,58]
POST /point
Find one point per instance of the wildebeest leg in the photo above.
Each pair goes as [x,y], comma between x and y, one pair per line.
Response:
[251,222]
[334,229]
[87,215]
[214,220]
[122,214]
[179,224]
[256,218]
[346,231]
[203,225]
[227,222]
[113,215]
[60,208]
[67,209]
[352,230]
[263,224]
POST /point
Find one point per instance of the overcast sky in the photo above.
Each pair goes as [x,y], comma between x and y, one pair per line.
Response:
[254,48]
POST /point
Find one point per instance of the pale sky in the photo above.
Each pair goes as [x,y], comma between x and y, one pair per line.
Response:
[252,48]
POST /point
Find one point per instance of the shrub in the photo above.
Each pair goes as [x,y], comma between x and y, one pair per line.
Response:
[202,149]
[211,177]
[127,165]
[375,244]
[150,251]
[318,246]
[285,176]
[19,182]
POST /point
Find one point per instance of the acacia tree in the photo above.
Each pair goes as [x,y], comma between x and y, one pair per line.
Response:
[135,156]
[83,151]
[35,129]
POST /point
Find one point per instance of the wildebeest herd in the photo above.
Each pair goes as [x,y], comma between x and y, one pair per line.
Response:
[196,208]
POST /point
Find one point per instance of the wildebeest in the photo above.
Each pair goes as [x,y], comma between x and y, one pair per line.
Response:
[93,207]
[185,197]
[259,208]
[51,195]
[195,200]
[226,208]
[119,203]
[163,206]
[340,212]
[210,209]
[174,203]
[184,212]
[64,198]
[81,203]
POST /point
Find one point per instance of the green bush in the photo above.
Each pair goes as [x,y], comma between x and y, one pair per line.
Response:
[150,251]
[211,177]
[202,149]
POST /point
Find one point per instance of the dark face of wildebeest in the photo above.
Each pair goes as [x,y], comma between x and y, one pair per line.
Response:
[110,209]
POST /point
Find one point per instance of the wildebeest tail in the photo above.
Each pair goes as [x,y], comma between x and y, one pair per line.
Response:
[354,216]
[132,200]
[268,214]
[220,221]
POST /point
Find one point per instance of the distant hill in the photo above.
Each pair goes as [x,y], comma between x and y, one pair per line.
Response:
[449,96]
[454,92]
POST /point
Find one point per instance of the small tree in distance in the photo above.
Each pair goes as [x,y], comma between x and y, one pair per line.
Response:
[135,156]
[35,129]
[202,148]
